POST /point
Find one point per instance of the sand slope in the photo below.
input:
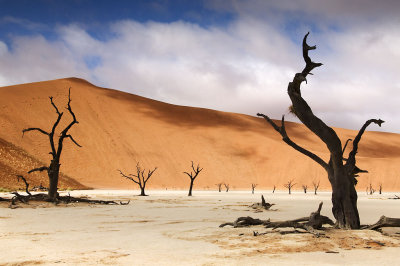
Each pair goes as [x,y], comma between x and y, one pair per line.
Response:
[118,129]
[16,161]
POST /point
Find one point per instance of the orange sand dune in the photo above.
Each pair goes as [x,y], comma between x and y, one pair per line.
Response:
[118,129]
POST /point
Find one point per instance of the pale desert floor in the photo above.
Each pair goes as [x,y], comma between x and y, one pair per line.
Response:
[169,228]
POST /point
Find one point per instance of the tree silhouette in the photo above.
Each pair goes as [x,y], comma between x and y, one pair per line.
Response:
[193,176]
[53,169]
[139,178]
[289,185]
[341,171]
[316,186]
[253,186]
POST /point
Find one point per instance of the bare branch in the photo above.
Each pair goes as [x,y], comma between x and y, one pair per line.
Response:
[149,174]
[34,128]
[76,143]
[128,177]
[40,169]
[55,107]
[26,184]
[282,131]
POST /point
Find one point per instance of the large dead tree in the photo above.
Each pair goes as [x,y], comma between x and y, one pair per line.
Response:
[139,178]
[342,172]
[193,176]
[53,170]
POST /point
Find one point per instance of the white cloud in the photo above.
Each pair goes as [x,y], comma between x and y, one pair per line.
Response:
[242,67]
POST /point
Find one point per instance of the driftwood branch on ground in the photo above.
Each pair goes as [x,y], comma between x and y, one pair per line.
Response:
[263,205]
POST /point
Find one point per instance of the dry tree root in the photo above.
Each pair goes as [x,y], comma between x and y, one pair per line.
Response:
[263,205]
[310,224]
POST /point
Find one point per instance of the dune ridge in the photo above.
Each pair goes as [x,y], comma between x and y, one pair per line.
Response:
[118,129]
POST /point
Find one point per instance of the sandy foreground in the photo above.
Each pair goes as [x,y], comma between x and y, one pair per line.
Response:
[169,228]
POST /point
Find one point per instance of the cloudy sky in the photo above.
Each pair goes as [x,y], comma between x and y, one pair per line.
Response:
[229,55]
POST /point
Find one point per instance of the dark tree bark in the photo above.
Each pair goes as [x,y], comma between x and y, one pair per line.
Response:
[289,185]
[53,170]
[193,176]
[305,187]
[380,188]
[139,178]
[273,190]
[342,172]
[263,205]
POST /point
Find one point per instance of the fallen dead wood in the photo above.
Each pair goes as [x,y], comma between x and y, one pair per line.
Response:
[310,224]
[60,199]
[384,222]
[395,197]
[263,205]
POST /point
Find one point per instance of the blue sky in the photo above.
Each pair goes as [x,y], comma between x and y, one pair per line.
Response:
[199,52]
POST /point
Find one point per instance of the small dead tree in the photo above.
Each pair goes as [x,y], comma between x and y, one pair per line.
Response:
[53,170]
[253,186]
[219,186]
[316,186]
[226,187]
[305,187]
[193,176]
[139,178]
[371,189]
[273,190]
[380,188]
[289,185]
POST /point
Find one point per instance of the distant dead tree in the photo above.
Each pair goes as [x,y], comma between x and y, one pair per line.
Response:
[380,188]
[226,187]
[193,176]
[341,171]
[53,170]
[371,189]
[289,185]
[139,178]
[253,186]
[219,186]
[273,190]
[316,186]
[304,188]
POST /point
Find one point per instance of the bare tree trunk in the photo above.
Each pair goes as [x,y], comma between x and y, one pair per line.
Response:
[142,193]
[191,187]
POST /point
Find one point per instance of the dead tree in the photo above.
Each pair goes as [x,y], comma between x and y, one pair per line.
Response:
[273,190]
[341,171]
[289,185]
[316,186]
[53,170]
[193,176]
[253,186]
[371,189]
[226,187]
[380,188]
[139,178]
[219,186]
[304,188]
